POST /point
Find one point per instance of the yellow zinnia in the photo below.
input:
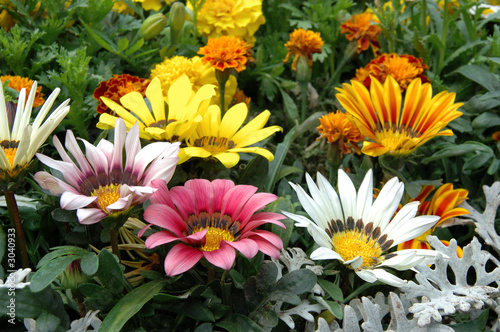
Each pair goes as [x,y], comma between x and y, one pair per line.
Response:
[240,18]
[395,130]
[198,73]
[223,140]
[185,110]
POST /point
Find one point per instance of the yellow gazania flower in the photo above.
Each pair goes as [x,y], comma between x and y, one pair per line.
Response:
[444,204]
[223,140]
[18,83]
[230,18]
[303,43]
[336,127]
[185,110]
[395,130]
[198,73]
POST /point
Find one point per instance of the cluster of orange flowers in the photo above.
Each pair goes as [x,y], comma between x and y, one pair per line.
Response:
[363,28]
[403,68]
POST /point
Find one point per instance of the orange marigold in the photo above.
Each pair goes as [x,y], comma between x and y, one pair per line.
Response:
[118,86]
[18,83]
[226,52]
[496,136]
[404,68]
[361,28]
[336,127]
[303,43]
[240,97]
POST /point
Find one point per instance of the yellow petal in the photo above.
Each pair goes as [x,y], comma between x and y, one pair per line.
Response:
[178,97]
[257,136]
[134,101]
[154,94]
[122,113]
[106,121]
[257,123]
[233,119]
[228,159]
[194,151]
[254,149]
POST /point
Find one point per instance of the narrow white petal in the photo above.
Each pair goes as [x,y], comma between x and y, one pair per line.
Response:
[355,263]
[365,197]
[386,203]
[90,216]
[22,117]
[331,197]
[324,212]
[71,201]
[347,194]
[410,229]
[325,253]
[301,221]
[310,206]
[4,121]
[381,275]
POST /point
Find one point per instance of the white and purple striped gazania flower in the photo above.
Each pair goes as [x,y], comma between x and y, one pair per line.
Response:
[96,183]
[211,220]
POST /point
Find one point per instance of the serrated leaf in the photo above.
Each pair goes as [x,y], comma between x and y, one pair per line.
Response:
[100,38]
[50,271]
[130,304]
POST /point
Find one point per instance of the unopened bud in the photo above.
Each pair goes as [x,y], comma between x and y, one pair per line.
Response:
[304,71]
[153,26]
[177,19]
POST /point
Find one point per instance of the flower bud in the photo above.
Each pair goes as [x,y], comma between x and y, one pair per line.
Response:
[177,19]
[153,26]
[304,71]
[73,276]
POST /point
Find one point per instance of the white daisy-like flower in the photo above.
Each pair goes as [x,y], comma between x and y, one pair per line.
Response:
[356,230]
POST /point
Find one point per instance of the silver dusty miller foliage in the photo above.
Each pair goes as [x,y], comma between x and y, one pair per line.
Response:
[422,304]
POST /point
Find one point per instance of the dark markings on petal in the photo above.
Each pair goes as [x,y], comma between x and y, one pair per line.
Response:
[388,256]
[369,229]
[350,224]
[340,225]
[376,233]
[386,245]
[116,176]
[382,239]
[333,226]
[360,225]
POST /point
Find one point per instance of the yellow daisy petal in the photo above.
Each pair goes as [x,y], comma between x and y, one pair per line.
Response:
[228,159]
[233,119]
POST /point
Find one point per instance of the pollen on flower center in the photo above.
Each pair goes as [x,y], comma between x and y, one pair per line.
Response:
[214,145]
[107,195]
[10,153]
[214,237]
[353,243]
[396,137]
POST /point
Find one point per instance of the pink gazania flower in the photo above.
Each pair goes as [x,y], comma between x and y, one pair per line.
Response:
[211,220]
[96,183]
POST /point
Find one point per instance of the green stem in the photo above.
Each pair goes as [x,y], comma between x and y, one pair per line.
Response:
[334,77]
[360,290]
[113,238]
[15,220]
[335,160]
[222,89]
[303,109]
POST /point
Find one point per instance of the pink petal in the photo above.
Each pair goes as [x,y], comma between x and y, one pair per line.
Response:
[143,230]
[162,194]
[165,217]
[183,199]
[159,238]
[267,248]
[247,247]
[98,160]
[49,182]
[223,257]
[70,172]
[132,147]
[116,160]
[160,169]
[90,216]
[254,204]
[220,188]
[72,201]
[235,199]
[270,237]
[122,204]
[262,218]
[203,194]
[181,258]
[73,147]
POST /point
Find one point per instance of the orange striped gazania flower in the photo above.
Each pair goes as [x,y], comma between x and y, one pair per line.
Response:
[225,52]
[404,68]
[18,83]
[336,127]
[361,27]
[444,204]
[303,43]
[394,129]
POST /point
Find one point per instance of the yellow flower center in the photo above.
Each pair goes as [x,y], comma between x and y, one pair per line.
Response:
[397,138]
[107,195]
[214,237]
[214,145]
[353,243]
[10,153]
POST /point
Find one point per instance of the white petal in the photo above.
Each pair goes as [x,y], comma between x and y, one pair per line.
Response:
[301,221]
[386,203]
[347,194]
[90,216]
[319,235]
[333,201]
[410,229]
[382,275]
[310,206]
[365,197]
[355,263]
[72,201]
[325,253]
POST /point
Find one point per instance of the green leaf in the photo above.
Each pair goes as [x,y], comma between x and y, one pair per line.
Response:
[284,296]
[290,107]
[477,324]
[130,304]
[89,263]
[481,76]
[265,317]
[279,158]
[237,278]
[47,322]
[191,308]
[486,120]
[255,172]
[331,289]
[50,271]
[122,44]
[135,47]
[205,327]
[481,103]
[62,251]
[100,39]
[287,170]
[239,323]
[477,161]
[297,282]
[109,273]
[335,309]
[457,150]
[462,49]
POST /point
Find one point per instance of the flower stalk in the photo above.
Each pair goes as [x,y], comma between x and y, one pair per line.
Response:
[15,220]
[113,238]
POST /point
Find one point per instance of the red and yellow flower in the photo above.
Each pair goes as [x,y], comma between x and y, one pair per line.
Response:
[336,127]
[225,52]
[117,87]
[364,29]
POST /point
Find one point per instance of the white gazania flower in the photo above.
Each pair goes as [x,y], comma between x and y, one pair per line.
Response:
[19,140]
[96,183]
[352,228]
